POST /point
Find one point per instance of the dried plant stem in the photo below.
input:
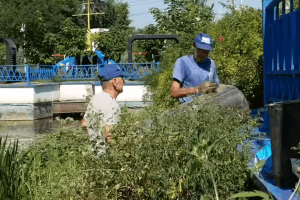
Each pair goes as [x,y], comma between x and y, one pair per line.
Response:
[215,185]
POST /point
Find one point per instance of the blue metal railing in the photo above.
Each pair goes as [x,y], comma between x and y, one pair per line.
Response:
[281,51]
[18,73]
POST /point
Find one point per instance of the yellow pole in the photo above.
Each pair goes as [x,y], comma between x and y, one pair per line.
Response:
[89,28]
[88,40]
[89,15]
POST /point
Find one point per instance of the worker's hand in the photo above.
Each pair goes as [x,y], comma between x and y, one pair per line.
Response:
[83,123]
[207,87]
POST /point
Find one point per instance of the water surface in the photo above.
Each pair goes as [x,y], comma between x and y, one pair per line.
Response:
[28,132]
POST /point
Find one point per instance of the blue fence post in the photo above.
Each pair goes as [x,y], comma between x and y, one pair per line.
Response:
[266,40]
[27,68]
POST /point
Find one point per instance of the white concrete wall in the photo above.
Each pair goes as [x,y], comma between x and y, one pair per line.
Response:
[56,92]
[16,95]
[75,92]
[46,93]
[130,92]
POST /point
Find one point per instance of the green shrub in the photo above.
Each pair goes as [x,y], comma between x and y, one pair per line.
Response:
[152,155]
[238,54]
[58,170]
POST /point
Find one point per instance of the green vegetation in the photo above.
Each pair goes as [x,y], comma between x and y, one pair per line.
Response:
[239,53]
[238,50]
[114,42]
[2,54]
[184,153]
[167,151]
[13,170]
[49,27]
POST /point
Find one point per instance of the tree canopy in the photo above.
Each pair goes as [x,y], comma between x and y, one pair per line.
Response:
[238,51]
[44,27]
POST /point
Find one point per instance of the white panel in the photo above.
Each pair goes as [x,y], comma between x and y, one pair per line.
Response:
[74,92]
[132,93]
[45,93]
[16,95]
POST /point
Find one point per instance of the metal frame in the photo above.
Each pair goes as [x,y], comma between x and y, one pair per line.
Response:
[11,51]
[147,37]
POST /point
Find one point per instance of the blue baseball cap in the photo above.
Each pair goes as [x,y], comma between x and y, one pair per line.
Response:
[204,41]
[111,71]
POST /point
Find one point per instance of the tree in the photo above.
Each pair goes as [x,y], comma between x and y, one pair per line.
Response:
[70,41]
[151,47]
[39,17]
[238,52]
[184,16]
[116,13]
[114,42]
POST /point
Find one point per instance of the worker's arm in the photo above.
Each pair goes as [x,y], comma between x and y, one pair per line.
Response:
[179,92]
[107,133]
[205,88]
[83,123]
[107,130]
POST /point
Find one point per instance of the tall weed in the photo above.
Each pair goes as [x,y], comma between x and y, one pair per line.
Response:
[13,170]
[58,167]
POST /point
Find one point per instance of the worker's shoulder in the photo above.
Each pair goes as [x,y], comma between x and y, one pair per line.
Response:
[212,63]
[101,99]
[185,58]
[101,95]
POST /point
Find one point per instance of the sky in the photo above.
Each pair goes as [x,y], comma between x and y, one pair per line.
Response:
[141,17]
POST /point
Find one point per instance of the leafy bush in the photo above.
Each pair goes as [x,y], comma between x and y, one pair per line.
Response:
[238,52]
[152,155]
[183,153]
[58,170]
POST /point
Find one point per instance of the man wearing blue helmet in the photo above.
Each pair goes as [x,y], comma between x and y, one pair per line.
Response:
[103,110]
[195,74]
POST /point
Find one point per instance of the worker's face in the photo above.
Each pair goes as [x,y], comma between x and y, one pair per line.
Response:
[119,83]
[201,55]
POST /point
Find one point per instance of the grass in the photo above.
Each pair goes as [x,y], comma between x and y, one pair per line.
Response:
[14,169]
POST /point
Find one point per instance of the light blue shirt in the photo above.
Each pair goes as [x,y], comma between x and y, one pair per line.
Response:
[190,73]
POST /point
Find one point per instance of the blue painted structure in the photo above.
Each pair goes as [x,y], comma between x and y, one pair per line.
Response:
[17,73]
[281,51]
[281,39]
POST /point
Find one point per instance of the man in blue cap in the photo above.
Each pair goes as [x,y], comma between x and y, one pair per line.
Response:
[195,74]
[103,110]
